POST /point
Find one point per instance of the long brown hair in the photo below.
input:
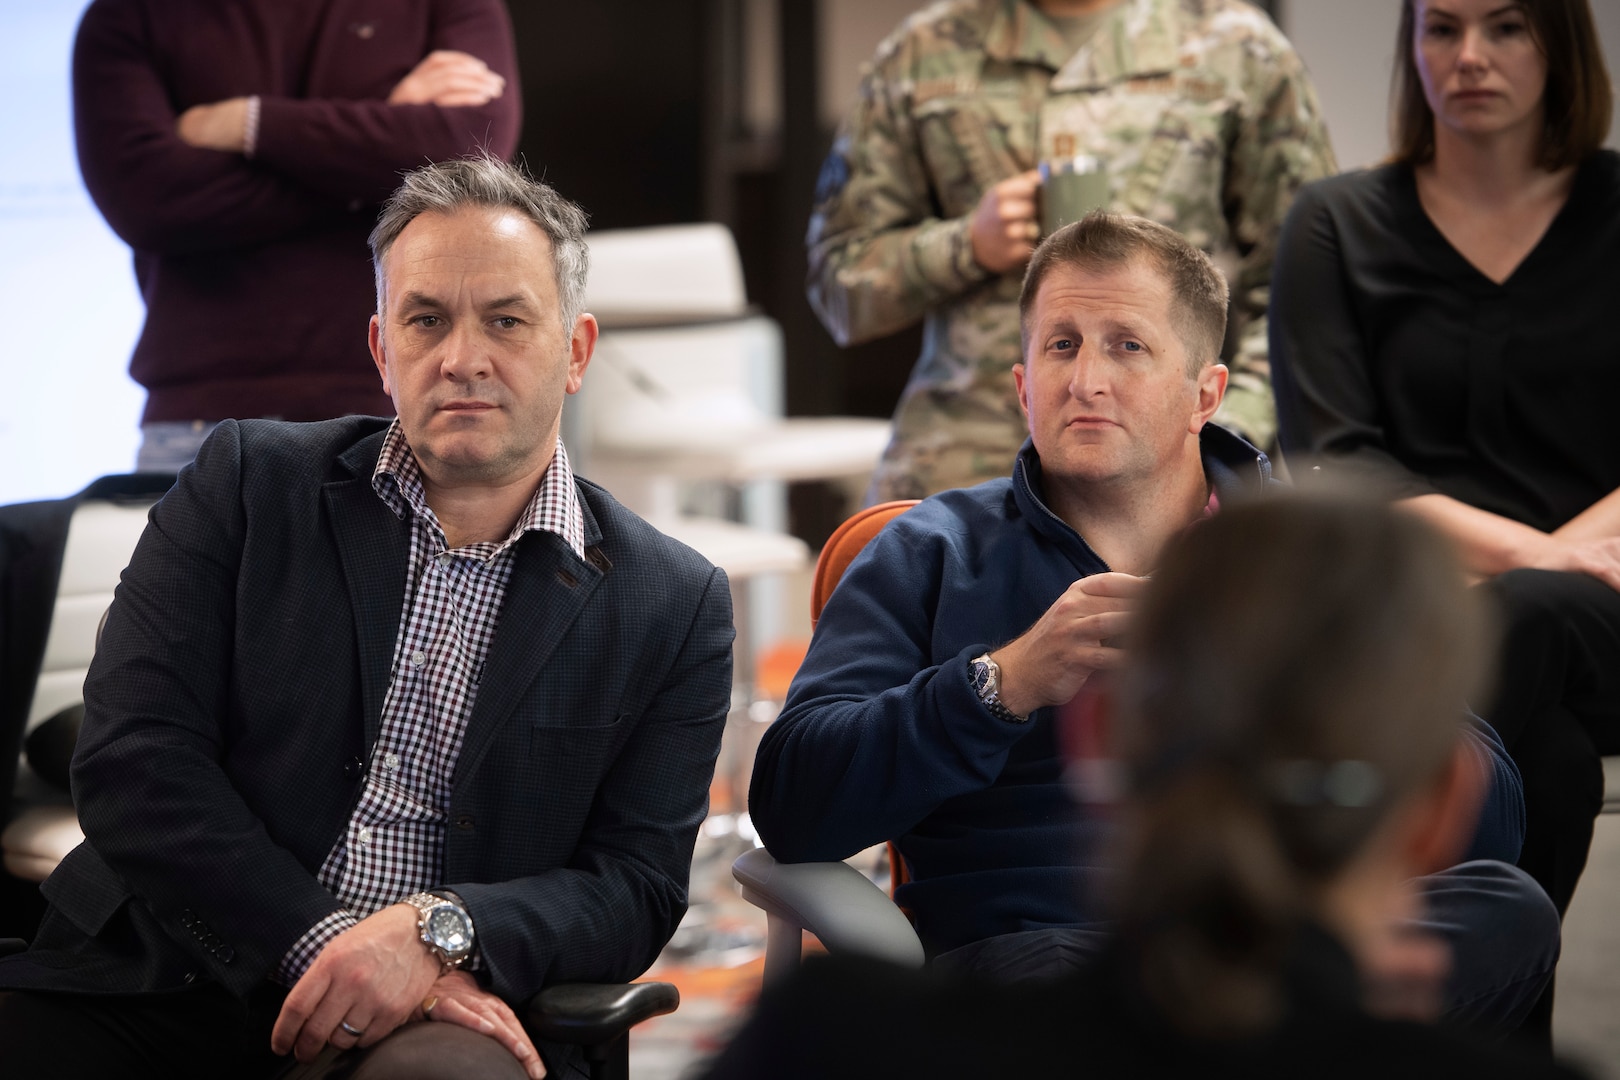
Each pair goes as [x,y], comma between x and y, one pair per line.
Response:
[1299,665]
[1577,104]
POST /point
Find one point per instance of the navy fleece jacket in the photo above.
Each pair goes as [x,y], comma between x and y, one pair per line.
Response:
[882,736]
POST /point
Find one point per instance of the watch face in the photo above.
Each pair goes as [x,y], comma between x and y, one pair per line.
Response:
[448,930]
[981,676]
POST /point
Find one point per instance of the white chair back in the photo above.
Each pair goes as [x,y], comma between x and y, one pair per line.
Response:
[101,537]
[100,540]
[670,273]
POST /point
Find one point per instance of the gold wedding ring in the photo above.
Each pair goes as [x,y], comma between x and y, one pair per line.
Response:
[428,1003]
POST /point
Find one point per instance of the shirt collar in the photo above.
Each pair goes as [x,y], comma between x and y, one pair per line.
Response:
[1140,38]
[554,507]
[1019,32]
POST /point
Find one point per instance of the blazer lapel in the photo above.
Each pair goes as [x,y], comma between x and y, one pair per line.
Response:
[550,586]
[373,546]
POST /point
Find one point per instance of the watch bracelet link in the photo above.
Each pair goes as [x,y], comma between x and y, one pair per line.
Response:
[987,686]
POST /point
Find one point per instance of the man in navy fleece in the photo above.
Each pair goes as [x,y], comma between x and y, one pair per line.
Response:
[925,710]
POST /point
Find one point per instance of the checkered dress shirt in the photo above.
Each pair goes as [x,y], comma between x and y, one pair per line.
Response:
[393,845]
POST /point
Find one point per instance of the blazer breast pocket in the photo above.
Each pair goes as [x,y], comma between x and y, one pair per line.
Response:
[588,738]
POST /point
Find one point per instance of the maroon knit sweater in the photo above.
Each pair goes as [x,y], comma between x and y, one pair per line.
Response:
[255,273]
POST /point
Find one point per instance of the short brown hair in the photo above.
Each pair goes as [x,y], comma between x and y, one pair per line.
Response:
[1102,241]
[1577,103]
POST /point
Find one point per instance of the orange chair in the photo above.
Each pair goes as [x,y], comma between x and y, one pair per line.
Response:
[834,901]
[846,542]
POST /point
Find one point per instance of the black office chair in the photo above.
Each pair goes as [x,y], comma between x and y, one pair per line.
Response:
[598,1017]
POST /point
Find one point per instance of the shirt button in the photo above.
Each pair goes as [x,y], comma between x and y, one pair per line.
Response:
[418,658]
[444,558]
[390,762]
[363,835]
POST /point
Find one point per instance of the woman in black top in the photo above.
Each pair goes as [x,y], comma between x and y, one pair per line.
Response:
[1287,777]
[1446,327]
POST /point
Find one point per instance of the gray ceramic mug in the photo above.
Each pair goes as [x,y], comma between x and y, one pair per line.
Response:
[1070,189]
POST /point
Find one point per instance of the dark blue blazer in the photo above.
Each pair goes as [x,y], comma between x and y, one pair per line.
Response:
[237,692]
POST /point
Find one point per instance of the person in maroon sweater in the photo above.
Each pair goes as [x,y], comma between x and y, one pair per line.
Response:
[242,150]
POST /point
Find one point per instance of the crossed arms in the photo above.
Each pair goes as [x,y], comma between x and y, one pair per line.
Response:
[154,162]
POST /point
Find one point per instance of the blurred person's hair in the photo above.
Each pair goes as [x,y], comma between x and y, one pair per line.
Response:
[1102,242]
[487,181]
[1299,666]
[1577,103]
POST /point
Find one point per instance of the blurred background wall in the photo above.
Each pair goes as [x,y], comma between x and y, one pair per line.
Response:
[646,111]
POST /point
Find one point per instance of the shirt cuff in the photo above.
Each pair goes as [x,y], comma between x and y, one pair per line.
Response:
[307,948]
[250,127]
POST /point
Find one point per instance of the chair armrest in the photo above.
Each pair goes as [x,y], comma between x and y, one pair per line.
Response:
[833,901]
[589,1014]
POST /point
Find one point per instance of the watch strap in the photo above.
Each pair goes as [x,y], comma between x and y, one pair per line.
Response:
[985,674]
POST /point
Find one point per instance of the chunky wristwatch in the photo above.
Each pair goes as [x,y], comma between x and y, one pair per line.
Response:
[446,929]
[986,676]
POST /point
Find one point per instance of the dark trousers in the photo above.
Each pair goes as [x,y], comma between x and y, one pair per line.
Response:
[205,1033]
[202,1032]
[1502,931]
[1557,708]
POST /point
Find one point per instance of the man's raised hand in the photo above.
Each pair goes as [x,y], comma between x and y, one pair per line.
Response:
[1003,230]
[1077,635]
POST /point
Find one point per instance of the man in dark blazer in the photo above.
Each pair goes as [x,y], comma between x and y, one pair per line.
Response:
[390,721]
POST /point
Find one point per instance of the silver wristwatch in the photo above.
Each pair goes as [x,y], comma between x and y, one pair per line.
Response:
[446,929]
[986,676]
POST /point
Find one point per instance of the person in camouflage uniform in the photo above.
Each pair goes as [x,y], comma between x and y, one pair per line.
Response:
[926,208]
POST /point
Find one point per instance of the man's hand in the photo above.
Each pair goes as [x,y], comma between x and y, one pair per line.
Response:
[372,977]
[1403,966]
[220,126]
[446,77]
[1404,978]
[1004,227]
[1052,660]
[456,998]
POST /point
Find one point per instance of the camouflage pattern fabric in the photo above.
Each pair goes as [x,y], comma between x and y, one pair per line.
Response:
[1204,117]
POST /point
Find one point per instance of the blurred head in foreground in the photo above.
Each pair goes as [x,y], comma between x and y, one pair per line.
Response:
[1290,720]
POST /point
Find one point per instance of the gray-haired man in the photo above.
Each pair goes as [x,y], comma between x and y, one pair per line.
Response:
[401,716]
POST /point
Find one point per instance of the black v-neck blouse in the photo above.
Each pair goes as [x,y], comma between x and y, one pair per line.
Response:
[1394,357]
